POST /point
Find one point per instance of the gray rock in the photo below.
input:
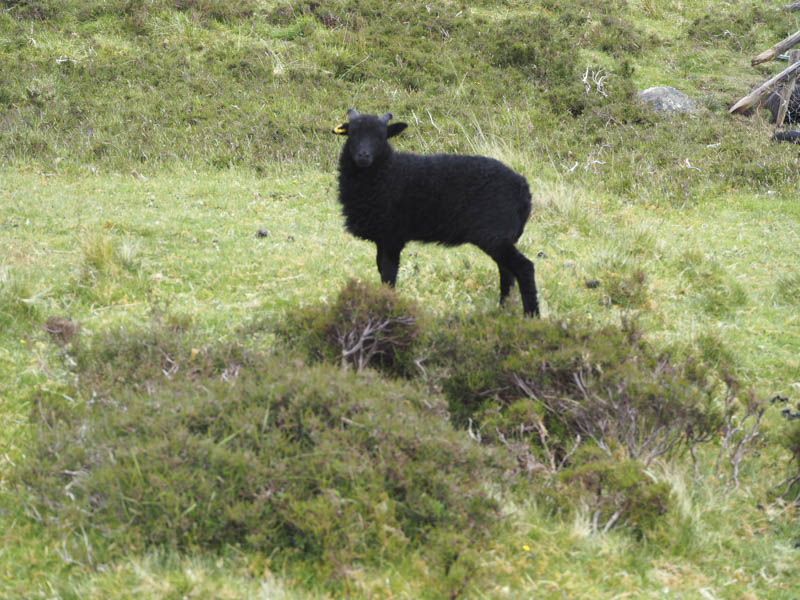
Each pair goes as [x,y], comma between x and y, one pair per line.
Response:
[667,99]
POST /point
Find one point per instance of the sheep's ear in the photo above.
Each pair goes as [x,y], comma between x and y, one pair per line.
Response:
[340,130]
[395,128]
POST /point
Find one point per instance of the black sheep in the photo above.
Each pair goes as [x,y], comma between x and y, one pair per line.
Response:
[392,198]
[787,136]
[773,104]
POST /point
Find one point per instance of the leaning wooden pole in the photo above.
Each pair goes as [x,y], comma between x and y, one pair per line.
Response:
[765,88]
[781,46]
[788,89]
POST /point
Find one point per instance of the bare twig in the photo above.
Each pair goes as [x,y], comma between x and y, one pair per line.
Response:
[597,78]
[435,126]
[361,342]
[612,520]
[473,435]
[737,438]
[522,384]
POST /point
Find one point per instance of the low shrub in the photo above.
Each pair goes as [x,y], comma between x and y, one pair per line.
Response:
[743,31]
[310,463]
[614,491]
[543,51]
[600,24]
[140,359]
[60,330]
[625,286]
[367,325]
[539,388]
[554,386]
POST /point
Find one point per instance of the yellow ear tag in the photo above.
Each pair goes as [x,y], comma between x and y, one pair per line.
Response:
[340,130]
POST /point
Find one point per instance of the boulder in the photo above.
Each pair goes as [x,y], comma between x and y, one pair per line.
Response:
[667,99]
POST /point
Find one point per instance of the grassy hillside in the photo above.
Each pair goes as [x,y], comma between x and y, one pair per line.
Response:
[177,418]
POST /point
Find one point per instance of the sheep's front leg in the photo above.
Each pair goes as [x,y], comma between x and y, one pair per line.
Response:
[388,260]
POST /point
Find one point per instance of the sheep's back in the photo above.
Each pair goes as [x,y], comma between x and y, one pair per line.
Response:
[453,199]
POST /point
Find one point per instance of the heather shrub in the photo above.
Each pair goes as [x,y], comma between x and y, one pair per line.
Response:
[736,31]
[163,444]
[614,491]
[543,388]
[367,325]
[626,287]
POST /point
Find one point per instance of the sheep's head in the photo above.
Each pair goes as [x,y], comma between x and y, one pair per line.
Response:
[367,135]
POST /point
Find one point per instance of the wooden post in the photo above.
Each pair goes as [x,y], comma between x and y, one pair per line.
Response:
[765,88]
[786,95]
[781,46]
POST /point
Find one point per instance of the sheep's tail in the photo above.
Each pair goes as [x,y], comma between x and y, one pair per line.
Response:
[524,206]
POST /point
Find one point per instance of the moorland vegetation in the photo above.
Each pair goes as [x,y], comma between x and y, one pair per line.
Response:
[205,393]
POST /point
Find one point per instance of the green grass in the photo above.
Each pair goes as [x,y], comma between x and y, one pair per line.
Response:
[144,144]
[179,272]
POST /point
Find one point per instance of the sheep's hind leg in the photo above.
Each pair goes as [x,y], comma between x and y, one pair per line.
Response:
[388,260]
[507,281]
[509,258]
